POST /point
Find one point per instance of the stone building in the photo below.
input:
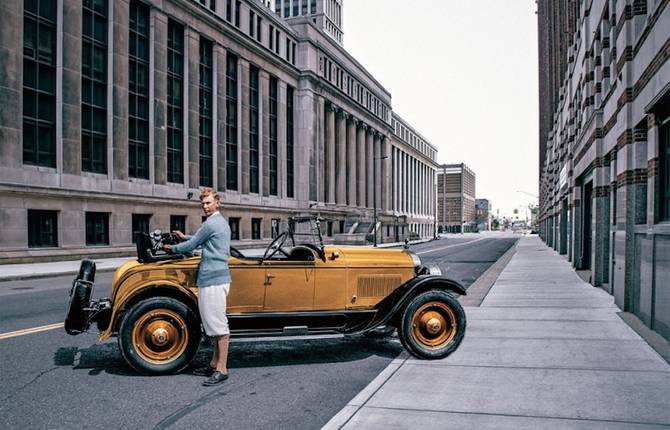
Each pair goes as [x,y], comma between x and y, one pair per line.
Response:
[483,214]
[116,113]
[605,146]
[456,198]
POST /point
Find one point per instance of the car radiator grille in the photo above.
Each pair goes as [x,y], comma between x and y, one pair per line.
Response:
[377,285]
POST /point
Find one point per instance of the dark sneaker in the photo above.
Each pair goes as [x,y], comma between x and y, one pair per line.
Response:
[216,378]
[204,371]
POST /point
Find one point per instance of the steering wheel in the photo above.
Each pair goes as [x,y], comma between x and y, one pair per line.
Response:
[276,246]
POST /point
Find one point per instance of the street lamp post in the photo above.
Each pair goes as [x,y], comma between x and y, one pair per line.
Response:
[374,195]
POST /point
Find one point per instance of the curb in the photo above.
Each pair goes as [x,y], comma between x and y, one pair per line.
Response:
[478,291]
[27,276]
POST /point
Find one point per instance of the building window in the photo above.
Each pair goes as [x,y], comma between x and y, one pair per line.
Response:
[277,38]
[304,7]
[97,228]
[275,227]
[238,6]
[253,129]
[342,226]
[39,83]
[329,229]
[278,7]
[289,142]
[178,223]
[288,49]
[42,228]
[271,37]
[273,136]
[295,8]
[234,224]
[231,122]
[313,6]
[255,228]
[175,103]
[206,113]
[293,45]
[94,87]
[229,10]
[138,91]
[664,169]
[287,8]
[140,225]
[252,23]
[259,29]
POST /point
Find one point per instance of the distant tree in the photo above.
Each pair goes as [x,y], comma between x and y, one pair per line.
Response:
[496,224]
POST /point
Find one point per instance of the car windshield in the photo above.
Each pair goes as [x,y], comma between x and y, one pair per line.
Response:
[305,231]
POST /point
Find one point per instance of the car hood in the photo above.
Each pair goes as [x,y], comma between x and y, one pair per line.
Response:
[375,257]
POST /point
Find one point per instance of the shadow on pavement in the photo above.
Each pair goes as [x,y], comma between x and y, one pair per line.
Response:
[107,357]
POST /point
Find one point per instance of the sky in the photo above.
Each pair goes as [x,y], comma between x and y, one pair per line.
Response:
[464,74]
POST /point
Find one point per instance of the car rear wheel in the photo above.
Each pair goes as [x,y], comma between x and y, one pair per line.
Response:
[159,336]
[432,325]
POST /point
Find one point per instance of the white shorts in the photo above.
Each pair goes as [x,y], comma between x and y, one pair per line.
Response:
[212,306]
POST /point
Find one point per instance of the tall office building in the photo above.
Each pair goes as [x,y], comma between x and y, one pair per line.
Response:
[605,146]
[116,113]
[456,198]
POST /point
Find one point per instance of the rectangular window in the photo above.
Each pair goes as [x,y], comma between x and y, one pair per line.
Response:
[252,23]
[234,224]
[42,228]
[206,113]
[255,228]
[275,227]
[341,226]
[293,53]
[664,169]
[287,8]
[304,7]
[229,10]
[289,142]
[39,83]
[253,129]
[288,49]
[175,103]
[313,6]
[178,223]
[140,224]
[94,87]
[274,106]
[271,37]
[295,7]
[329,230]
[212,5]
[138,91]
[97,228]
[278,7]
[238,5]
[231,122]
[277,38]
[259,29]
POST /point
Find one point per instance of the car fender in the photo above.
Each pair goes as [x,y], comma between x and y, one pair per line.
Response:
[395,302]
[160,287]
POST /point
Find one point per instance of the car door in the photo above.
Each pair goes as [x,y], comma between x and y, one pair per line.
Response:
[247,289]
[289,286]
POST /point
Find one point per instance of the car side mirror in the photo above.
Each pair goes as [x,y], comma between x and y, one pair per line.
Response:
[335,255]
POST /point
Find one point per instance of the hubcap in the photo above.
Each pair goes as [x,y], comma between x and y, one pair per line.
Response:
[160,336]
[434,325]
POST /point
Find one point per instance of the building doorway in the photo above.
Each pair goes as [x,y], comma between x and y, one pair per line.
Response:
[587,232]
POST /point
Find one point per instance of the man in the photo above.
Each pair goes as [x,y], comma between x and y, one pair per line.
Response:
[213,282]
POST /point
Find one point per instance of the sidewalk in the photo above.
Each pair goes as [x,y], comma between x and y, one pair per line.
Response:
[544,351]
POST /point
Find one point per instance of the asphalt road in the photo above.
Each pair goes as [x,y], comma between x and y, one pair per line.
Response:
[52,380]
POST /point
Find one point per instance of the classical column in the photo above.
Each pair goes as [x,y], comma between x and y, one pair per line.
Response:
[192,99]
[340,173]
[386,173]
[369,144]
[378,181]
[351,161]
[360,176]
[329,190]
[243,126]
[264,132]
[71,97]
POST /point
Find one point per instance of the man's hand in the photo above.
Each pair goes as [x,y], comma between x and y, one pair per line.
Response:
[179,234]
[167,248]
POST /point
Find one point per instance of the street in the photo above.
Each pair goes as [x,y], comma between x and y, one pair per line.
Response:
[52,380]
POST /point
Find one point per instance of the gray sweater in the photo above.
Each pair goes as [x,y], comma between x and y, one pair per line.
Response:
[214,236]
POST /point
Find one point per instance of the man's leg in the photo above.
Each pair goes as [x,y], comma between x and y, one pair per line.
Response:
[222,353]
[215,353]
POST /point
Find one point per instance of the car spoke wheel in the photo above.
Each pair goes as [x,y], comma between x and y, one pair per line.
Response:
[159,336]
[432,325]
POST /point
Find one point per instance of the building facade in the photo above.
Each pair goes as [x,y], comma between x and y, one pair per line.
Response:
[456,198]
[605,145]
[483,214]
[117,112]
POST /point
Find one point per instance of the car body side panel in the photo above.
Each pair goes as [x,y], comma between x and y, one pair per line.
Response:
[289,286]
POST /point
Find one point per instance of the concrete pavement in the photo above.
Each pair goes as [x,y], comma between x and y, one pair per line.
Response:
[544,350]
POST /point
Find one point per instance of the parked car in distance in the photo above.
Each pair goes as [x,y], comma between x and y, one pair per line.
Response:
[299,286]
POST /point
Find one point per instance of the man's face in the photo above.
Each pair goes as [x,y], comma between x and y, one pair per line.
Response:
[209,205]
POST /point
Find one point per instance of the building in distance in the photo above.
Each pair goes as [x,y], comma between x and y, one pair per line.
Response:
[483,214]
[456,198]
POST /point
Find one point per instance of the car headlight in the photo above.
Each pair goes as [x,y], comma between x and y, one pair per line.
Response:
[415,259]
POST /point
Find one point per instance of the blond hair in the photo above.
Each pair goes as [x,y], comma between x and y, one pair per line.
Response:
[209,192]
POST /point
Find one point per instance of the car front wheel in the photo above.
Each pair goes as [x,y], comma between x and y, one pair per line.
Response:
[432,325]
[159,336]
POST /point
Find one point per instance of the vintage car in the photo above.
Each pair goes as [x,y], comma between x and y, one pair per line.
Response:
[296,287]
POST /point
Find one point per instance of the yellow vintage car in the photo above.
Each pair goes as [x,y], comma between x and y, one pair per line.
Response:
[296,287]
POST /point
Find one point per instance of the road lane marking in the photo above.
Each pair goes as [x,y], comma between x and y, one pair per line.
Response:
[451,246]
[25,331]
